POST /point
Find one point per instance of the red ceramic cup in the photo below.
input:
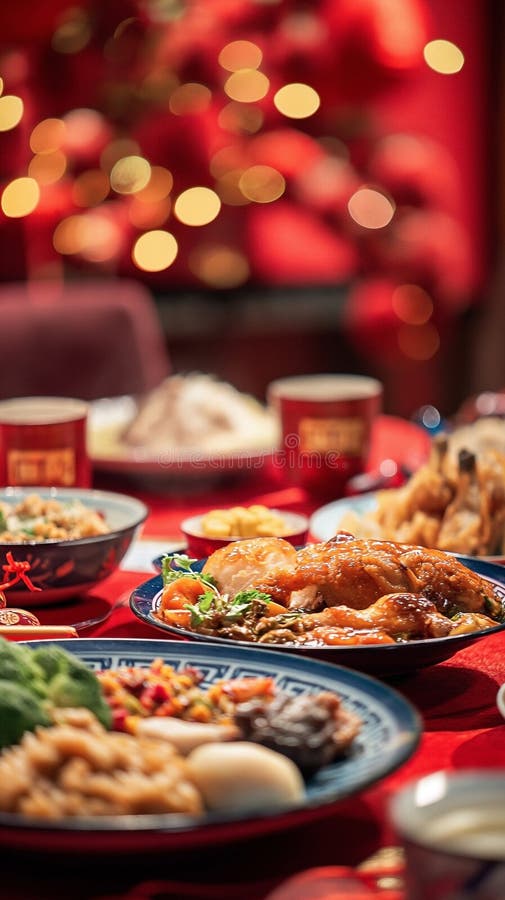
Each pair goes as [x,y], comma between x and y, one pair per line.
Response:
[43,442]
[326,423]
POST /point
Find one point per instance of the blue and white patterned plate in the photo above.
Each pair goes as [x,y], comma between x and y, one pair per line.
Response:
[375,659]
[326,520]
[389,735]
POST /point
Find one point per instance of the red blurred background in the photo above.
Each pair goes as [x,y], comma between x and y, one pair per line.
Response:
[302,186]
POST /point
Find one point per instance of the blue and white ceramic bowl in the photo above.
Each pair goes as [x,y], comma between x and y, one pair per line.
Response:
[66,568]
[377,659]
[390,732]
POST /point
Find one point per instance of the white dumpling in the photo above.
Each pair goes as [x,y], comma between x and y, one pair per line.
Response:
[244,776]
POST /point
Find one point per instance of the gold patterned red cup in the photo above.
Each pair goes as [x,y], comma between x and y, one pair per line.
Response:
[326,424]
[43,442]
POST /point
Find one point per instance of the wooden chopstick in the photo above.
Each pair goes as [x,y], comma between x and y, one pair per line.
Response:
[35,632]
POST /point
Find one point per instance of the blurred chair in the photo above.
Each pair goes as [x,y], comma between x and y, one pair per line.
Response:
[86,339]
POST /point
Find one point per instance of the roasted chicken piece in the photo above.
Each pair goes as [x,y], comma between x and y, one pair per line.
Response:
[402,615]
[238,564]
[356,573]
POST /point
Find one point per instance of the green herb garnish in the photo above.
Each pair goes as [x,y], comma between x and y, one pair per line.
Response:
[183,568]
[230,609]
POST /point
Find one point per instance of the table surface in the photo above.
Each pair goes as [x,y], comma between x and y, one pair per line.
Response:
[456,698]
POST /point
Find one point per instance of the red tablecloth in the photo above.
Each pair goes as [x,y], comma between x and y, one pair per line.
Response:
[462,728]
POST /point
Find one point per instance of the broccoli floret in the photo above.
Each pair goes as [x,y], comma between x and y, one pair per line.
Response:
[51,659]
[78,686]
[20,711]
[17,664]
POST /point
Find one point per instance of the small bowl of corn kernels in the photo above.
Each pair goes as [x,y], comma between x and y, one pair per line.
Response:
[219,527]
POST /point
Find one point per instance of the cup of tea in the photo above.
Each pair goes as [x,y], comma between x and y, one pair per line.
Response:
[326,424]
[452,826]
[43,442]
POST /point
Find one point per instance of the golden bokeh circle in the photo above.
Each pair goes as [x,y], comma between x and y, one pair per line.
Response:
[443,57]
[297,100]
[247,86]
[11,111]
[154,251]
[47,136]
[262,184]
[20,197]
[130,174]
[240,55]
[371,208]
[197,206]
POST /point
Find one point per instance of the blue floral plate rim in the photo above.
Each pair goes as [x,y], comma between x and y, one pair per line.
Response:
[391,727]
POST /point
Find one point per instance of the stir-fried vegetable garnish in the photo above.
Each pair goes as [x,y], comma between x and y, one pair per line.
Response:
[229,609]
[193,599]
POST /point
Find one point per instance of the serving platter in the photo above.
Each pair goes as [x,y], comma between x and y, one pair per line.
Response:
[325,521]
[375,659]
[109,416]
[390,733]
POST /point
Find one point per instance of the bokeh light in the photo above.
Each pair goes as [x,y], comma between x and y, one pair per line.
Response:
[116,150]
[419,342]
[103,238]
[95,236]
[240,55]
[219,266]
[189,99]
[144,214]
[226,159]
[90,188]
[130,174]
[262,184]
[197,206]
[11,111]
[370,208]
[247,86]
[229,190]
[73,33]
[20,197]
[444,57]
[70,235]
[412,304]
[47,136]
[163,11]
[155,251]
[297,101]
[47,168]
[84,129]
[158,187]
[240,118]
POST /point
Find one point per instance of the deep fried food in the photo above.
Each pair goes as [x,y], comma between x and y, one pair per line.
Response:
[456,503]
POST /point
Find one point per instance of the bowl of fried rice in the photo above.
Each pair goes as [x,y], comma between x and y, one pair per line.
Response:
[70,539]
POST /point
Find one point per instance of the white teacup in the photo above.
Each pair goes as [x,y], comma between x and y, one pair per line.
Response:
[452,826]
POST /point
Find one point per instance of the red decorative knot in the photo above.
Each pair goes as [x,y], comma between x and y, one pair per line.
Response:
[19,572]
